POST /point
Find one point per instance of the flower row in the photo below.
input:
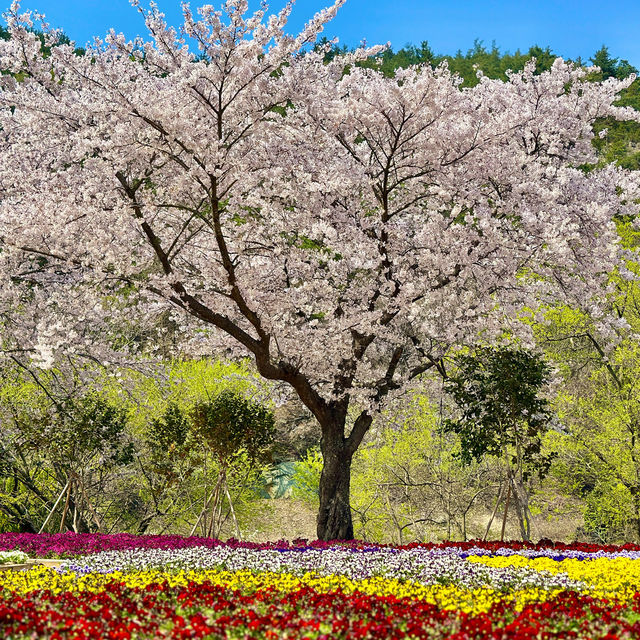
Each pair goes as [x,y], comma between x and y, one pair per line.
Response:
[436,566]
[143,587]
[472,585]
[601,577]
[76,544]
[615,576]
[208,610]
[445,596]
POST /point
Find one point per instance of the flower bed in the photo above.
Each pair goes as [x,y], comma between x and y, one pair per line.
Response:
[73,544]
[167,586]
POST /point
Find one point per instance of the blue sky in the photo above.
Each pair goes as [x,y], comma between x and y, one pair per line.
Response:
[570,27]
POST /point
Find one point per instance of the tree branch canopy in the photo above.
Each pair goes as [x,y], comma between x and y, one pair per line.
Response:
[341,226]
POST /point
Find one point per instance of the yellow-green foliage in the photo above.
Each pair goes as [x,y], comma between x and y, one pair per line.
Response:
[182,383]
[399,453]
[410,482]
[33,409]
[605,422]
[20,393]
[599,404]
[306,478]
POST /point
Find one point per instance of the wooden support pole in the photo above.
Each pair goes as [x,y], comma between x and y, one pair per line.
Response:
[506,509]
[233,513]
[202,513]
[46,522]
[66,506]
[495,511]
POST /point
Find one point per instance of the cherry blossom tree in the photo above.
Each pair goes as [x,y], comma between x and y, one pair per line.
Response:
[342,228]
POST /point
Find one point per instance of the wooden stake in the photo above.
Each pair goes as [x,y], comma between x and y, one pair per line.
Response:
[216,507]
[506,509]
[46,522]
[233,513]
[204,509]
[495,510]
[66,508]
[89,506]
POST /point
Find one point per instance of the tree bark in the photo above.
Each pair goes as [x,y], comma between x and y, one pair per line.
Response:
[521,503]
[334,515]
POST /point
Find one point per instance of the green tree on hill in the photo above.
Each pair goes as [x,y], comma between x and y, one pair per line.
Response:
[611,67]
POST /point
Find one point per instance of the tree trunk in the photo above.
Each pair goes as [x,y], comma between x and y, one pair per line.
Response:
[334,515]
[521,503]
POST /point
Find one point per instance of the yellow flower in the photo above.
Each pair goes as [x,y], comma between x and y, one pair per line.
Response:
[601,577]
[445,596]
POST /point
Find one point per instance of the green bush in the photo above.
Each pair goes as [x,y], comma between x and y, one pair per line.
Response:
[608,513]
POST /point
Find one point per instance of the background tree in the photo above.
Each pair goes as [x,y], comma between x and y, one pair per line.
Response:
[611,67]
[604,418]
[26,481]
[231,427]
[175,465]
[343,229]
[492,62]
[118,447]
[63,444]
[503,414]
[169,464]
[410,483]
